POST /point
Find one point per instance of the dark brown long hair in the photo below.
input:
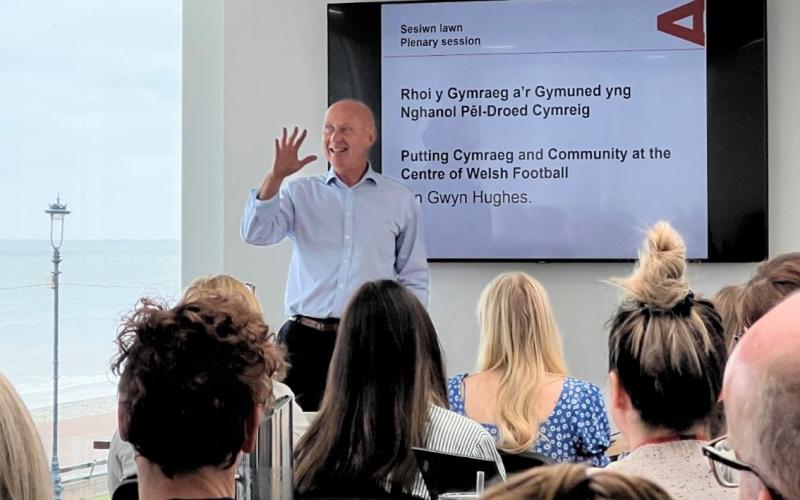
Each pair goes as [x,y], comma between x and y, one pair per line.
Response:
[385,373]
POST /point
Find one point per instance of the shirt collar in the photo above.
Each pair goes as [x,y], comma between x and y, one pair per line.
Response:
[370,175]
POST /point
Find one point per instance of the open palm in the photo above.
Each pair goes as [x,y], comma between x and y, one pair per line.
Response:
[287,161]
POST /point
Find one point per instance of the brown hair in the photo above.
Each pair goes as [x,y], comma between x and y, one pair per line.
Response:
[190,377]
[386,371]
[725,302]
[23,466]
[226,286]
[774,280]
[574,482]
[666,346]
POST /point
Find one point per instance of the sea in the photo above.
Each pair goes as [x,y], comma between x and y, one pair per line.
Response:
[100,282]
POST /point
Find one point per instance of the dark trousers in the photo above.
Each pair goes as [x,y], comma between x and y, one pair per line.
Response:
[309,354]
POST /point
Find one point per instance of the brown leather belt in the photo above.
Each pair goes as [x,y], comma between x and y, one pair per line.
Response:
[321,325]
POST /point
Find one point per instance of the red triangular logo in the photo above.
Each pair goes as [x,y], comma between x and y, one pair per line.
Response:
[668,22]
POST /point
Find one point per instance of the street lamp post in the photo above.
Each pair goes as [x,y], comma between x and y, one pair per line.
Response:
[58,212]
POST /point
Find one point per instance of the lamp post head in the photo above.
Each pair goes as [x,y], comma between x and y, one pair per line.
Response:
[58,211]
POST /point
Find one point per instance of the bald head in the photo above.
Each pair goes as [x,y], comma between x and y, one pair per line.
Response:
[762,398]
[354,108]
[348,134]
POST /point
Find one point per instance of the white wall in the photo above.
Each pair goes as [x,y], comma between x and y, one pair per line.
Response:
[201,148]
[275,75]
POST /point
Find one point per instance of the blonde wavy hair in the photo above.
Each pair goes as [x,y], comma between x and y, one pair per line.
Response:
[23,466]
[224,285]
[520,341]
[573,481]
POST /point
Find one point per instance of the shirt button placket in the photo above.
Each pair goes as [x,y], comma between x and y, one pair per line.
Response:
[347,247]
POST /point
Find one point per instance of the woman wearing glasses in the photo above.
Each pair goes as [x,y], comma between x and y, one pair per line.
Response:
[667,355]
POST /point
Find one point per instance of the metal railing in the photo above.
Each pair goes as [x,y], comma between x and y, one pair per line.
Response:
[92,466]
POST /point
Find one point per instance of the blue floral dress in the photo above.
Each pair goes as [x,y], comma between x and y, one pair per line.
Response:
[576,431]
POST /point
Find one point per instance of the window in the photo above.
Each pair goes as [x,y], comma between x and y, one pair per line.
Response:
[91,111]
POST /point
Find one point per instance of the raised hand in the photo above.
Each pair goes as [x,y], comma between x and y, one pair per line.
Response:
[286,159]
[286,162]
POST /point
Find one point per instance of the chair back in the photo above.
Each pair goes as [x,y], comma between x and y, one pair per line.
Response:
[127,489]
[518,462]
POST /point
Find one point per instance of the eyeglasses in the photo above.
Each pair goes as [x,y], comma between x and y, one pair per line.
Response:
[251,286]
[727,468]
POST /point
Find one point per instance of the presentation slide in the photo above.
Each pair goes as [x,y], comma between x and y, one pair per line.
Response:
[547,130]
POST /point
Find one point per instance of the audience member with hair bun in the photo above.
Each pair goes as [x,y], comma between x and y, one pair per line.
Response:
[194,380]
[574,482]
[666,355]
[385,394]
[23,467]
[521,393]
[121,457]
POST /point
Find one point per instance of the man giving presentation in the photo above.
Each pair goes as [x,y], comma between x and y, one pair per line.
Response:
[349,226]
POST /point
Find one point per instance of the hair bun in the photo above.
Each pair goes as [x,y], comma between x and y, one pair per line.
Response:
[658,280]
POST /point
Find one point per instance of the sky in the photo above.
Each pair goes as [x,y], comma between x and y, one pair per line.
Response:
[90,108]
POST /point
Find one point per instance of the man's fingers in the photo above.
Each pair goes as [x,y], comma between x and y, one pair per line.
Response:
[300,139]
[277,147]
[308,159]
[283,137]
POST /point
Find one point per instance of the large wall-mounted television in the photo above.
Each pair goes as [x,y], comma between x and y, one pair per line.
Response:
[561,130]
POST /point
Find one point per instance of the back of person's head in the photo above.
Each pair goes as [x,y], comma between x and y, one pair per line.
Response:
[666,346]
[192,379]
[519,340]
[762,401]
[385,372]
[774,280]
[23,466]
[726,301]
[574,482]
[222,285]
[227,287]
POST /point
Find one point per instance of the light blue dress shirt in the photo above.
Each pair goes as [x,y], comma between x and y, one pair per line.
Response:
[343,237]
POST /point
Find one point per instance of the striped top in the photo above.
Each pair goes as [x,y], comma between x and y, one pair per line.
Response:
[450,432]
